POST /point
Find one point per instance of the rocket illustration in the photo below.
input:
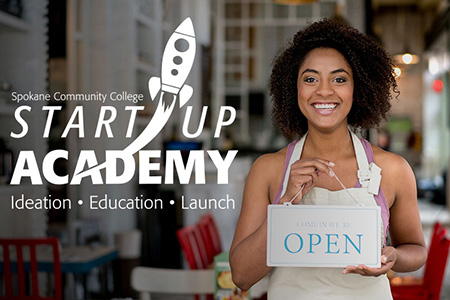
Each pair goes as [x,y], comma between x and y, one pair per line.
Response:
[177,61]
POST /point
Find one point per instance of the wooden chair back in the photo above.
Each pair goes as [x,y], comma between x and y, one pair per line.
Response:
[210,236]
[193,247]
[15,260]
[436,262]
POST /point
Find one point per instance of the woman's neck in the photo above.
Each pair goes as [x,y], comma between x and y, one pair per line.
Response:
[330,146]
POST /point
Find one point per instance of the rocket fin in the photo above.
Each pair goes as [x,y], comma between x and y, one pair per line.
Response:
[154,85]
[185,94]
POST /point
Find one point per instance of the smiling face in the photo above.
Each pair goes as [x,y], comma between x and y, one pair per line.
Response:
[325,89]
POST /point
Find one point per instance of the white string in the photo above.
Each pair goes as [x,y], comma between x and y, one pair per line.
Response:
[343,186]
[298,193]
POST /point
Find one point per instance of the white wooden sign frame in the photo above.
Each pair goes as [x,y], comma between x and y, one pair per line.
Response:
[323,236]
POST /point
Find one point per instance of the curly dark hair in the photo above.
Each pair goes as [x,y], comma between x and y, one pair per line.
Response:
[372,67]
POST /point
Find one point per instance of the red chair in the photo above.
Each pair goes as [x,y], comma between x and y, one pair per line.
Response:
[194,250]
[193,247]
[210,236]
[14,262]
[428,287]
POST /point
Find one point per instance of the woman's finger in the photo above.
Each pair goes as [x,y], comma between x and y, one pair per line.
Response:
[388,258]
[312,164]
[308,174]
[366,271]
[301,187]
[319,160]
[303,175]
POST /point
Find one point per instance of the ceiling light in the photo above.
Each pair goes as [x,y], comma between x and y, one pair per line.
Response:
[406,59]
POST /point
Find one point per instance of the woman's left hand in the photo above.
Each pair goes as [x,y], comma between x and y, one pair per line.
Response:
[388,258]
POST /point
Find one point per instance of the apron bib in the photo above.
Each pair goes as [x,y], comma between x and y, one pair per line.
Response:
[329,283]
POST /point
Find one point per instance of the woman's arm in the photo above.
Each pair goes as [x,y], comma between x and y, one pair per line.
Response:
[248,249]
[405,225]
[408,252]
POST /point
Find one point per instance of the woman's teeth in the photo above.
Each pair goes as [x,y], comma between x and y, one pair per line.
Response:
[325,105]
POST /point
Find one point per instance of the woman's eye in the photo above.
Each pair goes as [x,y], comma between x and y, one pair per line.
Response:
[340,80]
[309,79]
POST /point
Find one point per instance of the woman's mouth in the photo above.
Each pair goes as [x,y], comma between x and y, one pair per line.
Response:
[324,108]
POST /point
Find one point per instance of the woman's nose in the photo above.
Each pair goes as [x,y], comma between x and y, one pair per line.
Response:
[324,89]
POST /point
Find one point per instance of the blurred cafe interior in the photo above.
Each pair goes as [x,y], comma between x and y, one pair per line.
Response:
[113,48]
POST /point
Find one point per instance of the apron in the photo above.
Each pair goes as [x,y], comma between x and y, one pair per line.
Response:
[329,283]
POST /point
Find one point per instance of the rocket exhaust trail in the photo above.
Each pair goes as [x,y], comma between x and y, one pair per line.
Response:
[156,124]
[176,65]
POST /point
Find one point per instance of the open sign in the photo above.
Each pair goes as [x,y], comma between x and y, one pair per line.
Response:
[323,236]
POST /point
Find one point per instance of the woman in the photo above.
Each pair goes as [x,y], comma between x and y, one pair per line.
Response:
[329,79]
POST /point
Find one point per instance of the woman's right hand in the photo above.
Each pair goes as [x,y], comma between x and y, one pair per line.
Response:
[305,172]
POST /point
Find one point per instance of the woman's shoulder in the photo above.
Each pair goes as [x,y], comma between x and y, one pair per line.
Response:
[270,161]
[391,163]
[397,176]
[266,173]
[270,166]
